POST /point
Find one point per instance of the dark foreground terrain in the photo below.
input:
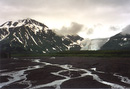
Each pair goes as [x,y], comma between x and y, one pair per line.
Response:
[64,72]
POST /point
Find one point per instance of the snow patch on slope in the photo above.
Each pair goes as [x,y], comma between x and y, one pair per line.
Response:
[17,38]
[3,36]
[32,38]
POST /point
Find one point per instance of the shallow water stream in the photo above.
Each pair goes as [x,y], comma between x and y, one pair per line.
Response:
[67,72]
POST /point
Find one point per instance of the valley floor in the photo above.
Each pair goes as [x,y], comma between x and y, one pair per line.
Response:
[65,72]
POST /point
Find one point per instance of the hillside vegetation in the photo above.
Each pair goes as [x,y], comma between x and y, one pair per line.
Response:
[100,53]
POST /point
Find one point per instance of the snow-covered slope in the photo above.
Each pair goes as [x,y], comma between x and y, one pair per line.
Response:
[28,35]
[120,41]
[32,24]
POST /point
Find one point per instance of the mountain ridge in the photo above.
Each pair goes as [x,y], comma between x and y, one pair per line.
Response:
[29,36]
[117,42]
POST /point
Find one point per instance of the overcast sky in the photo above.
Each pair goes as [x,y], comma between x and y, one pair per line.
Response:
[109,15]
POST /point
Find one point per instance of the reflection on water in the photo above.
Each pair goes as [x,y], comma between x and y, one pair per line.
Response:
[68,72]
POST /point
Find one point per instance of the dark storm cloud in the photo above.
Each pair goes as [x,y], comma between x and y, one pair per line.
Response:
[72,30]
[111,2]
[85,11]
[64,4]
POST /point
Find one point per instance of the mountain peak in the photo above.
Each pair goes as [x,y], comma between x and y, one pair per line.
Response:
[26,22]
[28,19]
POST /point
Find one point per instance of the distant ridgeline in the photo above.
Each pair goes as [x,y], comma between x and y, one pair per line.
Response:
[118,42]
[30,36]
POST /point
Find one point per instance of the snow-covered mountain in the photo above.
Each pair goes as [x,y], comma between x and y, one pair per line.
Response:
[29,36]
[120,41]
[32,24]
